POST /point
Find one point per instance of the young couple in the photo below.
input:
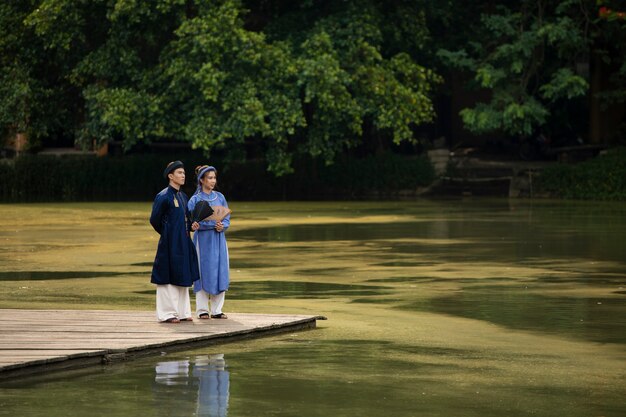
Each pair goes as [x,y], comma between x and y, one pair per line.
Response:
[181,262]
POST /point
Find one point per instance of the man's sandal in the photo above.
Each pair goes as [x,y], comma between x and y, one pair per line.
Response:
[219,316]
[204,316]
[171,320]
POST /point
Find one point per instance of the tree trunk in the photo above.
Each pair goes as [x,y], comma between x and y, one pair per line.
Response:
[604,119]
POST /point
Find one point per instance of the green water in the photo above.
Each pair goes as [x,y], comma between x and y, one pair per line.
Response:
[453,308]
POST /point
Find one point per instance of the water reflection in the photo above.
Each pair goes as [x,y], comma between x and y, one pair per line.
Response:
[507,236]
[200,387]
[591,318]
[258,290]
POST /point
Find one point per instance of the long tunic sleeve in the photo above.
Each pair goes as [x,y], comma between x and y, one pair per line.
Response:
[211,248]
[176,261]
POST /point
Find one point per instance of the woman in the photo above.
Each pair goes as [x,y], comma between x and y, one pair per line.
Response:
[211,247]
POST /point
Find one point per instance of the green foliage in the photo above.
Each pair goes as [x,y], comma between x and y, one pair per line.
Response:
[504,113]
[304,81]
[31,178]
[30,97]
[135,115]
[383,175]
[227,84]
[15,94]
[279,80]
[528,61]
[602,178]
[564,84]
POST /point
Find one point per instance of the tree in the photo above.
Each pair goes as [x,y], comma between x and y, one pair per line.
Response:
[292,77]
[31,101]
[533,56]
[608,60]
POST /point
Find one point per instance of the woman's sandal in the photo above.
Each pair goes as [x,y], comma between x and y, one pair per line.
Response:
[219,316]
[204,316]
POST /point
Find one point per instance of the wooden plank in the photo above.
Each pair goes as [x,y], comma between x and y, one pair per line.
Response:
[11,354]
[46,340]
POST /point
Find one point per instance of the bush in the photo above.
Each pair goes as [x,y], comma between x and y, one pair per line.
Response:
[602,178]
[39,178]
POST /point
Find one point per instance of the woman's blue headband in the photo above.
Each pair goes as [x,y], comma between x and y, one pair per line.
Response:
[204,171]
[200,175]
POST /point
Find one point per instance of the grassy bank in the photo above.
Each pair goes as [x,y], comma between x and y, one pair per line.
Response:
[601,178]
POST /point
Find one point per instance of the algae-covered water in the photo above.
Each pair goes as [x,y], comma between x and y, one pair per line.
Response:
[447,308]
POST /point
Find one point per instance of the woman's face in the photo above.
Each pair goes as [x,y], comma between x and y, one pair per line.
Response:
[208,181]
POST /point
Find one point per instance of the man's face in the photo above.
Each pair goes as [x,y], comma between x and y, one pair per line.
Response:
[178,176]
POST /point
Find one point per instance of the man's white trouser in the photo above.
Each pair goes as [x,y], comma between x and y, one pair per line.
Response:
[172,301]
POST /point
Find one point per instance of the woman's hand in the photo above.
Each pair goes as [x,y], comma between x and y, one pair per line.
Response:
[219,227]
[195,226]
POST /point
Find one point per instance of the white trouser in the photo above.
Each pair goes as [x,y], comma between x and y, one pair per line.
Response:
[172,301]
[202,302]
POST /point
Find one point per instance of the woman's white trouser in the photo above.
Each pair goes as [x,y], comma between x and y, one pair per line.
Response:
[203,299]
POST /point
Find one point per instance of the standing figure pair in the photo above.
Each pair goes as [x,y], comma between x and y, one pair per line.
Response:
[181,262]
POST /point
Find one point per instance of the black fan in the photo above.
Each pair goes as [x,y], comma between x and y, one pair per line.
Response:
[201,211]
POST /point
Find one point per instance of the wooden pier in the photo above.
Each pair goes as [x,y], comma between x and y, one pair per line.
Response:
[33,341]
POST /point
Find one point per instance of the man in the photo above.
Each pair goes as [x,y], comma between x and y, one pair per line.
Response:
[176,264]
